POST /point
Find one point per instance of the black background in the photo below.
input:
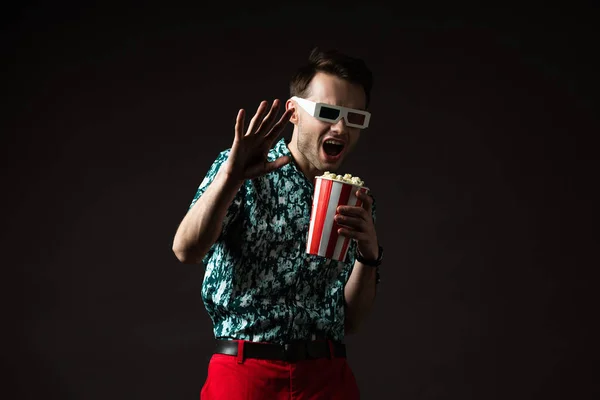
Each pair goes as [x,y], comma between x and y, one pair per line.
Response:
[480,155]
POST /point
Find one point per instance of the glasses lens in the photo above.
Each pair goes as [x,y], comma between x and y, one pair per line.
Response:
[329,113]
[355,118]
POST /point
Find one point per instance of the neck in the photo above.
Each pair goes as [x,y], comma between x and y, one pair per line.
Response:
[307,168]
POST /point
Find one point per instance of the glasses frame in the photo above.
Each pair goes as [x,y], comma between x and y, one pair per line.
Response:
[314,108]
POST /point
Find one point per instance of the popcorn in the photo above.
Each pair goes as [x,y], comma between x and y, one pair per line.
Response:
[347,178]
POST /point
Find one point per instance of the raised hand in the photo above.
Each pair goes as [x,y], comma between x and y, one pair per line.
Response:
[248,156]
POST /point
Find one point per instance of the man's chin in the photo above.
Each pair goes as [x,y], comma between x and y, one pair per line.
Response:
[331,167]
[331,164]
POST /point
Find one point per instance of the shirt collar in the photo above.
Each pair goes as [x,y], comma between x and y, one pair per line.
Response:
[281,148]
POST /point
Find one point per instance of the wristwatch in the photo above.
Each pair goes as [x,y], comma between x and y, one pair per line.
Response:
[370,263]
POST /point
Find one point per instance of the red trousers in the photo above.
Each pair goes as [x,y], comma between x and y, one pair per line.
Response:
[233,378]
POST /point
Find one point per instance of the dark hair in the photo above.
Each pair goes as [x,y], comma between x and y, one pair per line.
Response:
[335,63]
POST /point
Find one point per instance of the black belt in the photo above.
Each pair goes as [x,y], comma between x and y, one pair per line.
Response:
[291,352]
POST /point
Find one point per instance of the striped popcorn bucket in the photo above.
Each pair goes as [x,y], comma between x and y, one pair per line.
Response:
[323,238]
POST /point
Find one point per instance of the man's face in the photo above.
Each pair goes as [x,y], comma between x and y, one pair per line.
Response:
[323,146]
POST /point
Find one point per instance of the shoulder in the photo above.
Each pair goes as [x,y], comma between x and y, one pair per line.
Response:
[214,167]
[223,155]
[218,161]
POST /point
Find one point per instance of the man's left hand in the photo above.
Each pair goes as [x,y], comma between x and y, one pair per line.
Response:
[356,222]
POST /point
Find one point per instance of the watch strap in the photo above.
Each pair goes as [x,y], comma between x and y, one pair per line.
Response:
[370,263]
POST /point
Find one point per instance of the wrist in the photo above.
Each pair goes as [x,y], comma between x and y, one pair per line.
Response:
[370,261]
[229,179]
[370,254]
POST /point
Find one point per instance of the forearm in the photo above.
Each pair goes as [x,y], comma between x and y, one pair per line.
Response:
[202,225]
[359,294]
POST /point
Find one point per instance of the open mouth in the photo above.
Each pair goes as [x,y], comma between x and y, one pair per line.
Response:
[333,148]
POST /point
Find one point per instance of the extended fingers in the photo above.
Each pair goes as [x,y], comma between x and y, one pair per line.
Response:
[278,127]
[269,119]
[256,121]
[239,124]
[274,133]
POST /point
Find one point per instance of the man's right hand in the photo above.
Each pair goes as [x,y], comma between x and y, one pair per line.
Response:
[248,155]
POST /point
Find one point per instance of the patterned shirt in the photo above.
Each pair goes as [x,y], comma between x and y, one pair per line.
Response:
[259,283]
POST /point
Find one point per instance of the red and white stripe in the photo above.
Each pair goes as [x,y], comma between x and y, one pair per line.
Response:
[323,237]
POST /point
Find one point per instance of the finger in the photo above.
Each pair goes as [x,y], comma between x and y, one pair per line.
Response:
[353,211]
[278,127]
[269,119]
[266,167]
[280,162]
[254,123]
[352,234]
[239,125]
[366,199]
[355,223]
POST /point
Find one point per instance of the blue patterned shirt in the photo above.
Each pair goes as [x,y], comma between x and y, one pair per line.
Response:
[259,283]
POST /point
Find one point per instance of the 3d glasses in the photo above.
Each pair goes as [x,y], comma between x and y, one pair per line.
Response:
[332,114]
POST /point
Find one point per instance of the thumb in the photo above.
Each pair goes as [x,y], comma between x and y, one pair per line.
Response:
[367,200]
[265,168]
[280,162]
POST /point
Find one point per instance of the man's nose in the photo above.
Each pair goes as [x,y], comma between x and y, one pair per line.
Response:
[340,127]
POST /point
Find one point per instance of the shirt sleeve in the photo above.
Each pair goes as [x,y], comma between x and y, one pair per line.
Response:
[234,208]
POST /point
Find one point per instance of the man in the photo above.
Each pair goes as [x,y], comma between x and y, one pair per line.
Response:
[280,315]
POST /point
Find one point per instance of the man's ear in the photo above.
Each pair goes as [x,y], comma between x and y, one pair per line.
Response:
[289,104]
